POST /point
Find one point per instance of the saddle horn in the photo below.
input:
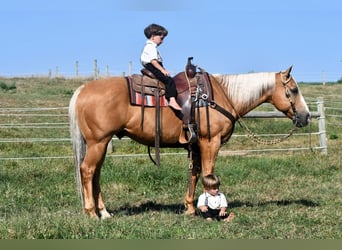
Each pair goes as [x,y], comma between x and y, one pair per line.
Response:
[190,69]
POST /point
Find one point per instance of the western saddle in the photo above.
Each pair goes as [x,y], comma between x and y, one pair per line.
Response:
[194,91]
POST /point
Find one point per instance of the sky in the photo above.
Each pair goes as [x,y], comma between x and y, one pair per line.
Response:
[223,36]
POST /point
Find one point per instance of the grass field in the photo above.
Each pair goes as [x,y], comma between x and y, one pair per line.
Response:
[292,195]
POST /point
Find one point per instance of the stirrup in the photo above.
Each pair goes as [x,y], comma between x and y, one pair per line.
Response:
[191,134]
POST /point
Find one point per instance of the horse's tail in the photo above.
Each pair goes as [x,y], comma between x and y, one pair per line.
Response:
[78,142]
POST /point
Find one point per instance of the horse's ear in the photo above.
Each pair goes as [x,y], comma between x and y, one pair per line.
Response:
[288,71]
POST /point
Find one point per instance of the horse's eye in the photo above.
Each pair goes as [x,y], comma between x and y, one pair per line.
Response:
[295,90]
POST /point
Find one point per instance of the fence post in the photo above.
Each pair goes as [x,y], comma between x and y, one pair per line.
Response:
[56,72]
[107,71]
[95,69]
[130,68]
[321,126]
[76,66]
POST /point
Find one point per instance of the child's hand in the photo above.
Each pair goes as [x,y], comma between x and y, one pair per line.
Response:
[203,208]
[165,72]
[223,213]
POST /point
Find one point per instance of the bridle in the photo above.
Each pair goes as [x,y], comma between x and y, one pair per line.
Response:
[288,96]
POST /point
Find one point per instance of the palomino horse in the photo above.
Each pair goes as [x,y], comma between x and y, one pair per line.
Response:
[101,109]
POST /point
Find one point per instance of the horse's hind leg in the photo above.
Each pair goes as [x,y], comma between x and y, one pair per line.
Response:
[90,173]
[98,194]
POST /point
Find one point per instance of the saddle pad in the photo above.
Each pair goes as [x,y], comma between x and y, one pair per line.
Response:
[137,99]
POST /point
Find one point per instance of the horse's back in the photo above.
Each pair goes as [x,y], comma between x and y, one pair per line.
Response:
[104,96]
[113,86]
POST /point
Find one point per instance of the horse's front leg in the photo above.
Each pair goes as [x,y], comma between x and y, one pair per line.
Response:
[209,151]
[194,175]
[203,160]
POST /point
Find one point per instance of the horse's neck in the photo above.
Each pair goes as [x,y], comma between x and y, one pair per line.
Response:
[247,91]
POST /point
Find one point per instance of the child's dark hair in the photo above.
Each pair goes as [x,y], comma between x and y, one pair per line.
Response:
[211,181]
[155,30]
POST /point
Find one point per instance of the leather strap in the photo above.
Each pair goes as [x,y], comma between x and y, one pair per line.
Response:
[157,138]
[143,104]
[227,114]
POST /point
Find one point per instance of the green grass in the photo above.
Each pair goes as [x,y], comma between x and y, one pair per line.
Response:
[276,197]
[294,195]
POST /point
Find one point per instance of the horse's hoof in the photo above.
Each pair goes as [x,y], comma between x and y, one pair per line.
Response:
[104,214]
[189,212]
[91,214]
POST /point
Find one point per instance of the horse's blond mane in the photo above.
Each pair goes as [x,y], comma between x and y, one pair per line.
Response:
[246,88]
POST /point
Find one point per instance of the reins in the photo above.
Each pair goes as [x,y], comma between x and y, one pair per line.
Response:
[259,140]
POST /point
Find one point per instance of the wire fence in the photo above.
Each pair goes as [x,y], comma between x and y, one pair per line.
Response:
[96,70]
[18,121]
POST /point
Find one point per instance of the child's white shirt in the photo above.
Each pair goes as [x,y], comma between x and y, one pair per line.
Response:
[214,202]
[150,52]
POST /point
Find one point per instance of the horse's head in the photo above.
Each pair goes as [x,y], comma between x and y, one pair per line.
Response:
[288,99]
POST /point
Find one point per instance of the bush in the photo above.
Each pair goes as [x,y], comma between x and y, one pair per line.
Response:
[6,87]
[333,136]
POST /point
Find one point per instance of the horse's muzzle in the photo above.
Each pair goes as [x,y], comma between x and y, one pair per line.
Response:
[302,120]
